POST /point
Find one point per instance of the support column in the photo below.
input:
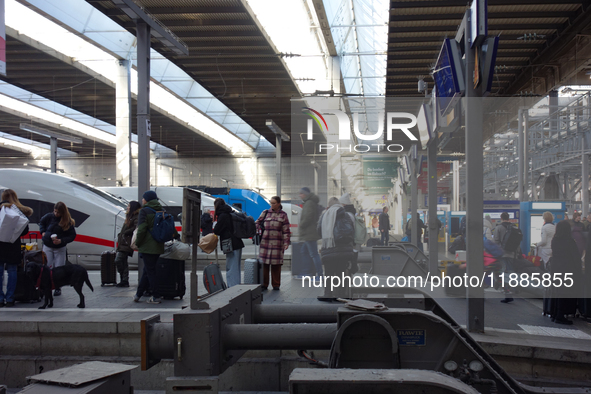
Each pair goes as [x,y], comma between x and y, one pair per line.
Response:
[143,107]
[474,188]
[520,156]
[456,186]
[53,154]
[527,175]
[278,163]
[123,124]
[585,183]
[432,195]
[414,204]
[143,116]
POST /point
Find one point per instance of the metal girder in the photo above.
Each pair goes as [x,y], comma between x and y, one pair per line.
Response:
[167,37]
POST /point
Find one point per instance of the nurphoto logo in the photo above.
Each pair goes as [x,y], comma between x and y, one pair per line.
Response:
[392,120]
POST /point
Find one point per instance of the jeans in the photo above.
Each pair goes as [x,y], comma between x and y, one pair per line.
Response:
[385,237]
[11,282]
[149,279]
[122,266]
[233,267]
[56,257]
[310,249]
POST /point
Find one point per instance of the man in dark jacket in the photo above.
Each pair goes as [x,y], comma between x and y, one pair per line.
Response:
[418,233]
[385,226]
[308,229]
[148,248]
[508,256]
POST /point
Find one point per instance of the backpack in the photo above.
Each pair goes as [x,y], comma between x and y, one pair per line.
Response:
[163,229]
[458,244]
[360,231]
[493,249]
[244,226]
[512,238]
[344,229]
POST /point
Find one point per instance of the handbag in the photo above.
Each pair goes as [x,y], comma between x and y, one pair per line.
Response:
[259,236]
[133,239]
[176,250]
[227,246]
[209,243]
[12,223]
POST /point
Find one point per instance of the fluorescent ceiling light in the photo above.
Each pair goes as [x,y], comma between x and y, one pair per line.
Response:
[33,111]
[289,26]
[54,36]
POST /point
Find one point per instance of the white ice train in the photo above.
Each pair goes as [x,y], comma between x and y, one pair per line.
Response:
[171,198]
[98,215]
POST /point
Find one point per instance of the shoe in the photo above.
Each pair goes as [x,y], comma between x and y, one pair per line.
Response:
[11,303]
[123,283]
[263,288]
[275,288]
[57,292]
[507,300]
[153,300]
[559,321]
[136,298]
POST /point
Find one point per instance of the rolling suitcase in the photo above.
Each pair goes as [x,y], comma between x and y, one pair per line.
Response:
[108,268]
[253,270]
[212,277]
[171,278]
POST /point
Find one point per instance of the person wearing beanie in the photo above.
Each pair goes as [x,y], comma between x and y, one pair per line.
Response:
[149,250]
[309,233]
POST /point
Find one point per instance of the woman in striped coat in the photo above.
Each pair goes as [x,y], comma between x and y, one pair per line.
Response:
[275,226]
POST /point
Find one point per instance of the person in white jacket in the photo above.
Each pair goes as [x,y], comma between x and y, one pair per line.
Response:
[545,245]
[487,228]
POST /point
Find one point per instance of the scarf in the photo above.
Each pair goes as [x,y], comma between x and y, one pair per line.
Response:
[328,221]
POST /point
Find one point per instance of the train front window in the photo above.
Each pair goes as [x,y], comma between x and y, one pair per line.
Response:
[107,196]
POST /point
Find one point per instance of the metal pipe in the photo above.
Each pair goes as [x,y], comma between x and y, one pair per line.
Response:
[273,314]
[278,336]
[520,154]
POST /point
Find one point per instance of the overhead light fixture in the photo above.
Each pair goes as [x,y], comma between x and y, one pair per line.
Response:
[49,133]
[276,129]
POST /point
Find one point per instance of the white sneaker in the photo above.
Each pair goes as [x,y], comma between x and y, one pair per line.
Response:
[136,298]
[153,300]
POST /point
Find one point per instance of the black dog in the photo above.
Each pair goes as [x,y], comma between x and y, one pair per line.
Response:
[70,274]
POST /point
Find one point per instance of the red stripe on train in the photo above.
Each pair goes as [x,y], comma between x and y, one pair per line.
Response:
[87,239]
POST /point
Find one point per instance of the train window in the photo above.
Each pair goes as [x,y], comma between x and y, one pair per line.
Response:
[41,208]
[107,196]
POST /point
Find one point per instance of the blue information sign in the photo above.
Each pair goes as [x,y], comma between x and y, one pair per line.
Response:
[412,337]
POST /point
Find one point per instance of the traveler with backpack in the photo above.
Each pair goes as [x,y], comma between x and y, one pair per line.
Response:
[10,252]
[230,244]
[275,240]
[153,229]
[385,226]
[545,245]
[509,238]
[308,230]
[338,237]
[124,249]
